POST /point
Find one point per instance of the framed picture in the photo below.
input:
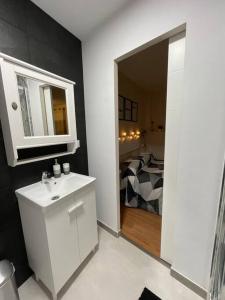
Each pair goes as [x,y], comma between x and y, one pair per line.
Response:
[121,108]
[128,110]
[134,111]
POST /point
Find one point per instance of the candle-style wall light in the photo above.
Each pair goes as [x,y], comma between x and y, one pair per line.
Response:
[129,136]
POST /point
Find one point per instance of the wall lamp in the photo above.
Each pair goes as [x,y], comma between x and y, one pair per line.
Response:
[129,136]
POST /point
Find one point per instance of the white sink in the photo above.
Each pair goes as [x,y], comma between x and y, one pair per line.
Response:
[45,194]
[59,234]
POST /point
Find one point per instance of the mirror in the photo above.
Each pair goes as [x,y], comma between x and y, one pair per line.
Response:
[43,108]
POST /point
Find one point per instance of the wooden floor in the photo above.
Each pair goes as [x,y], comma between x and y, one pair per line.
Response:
[143,228]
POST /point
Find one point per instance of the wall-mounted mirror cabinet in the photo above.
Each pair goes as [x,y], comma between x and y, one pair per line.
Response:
[37,112]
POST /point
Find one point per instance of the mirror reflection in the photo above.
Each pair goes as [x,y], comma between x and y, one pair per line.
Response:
[43,108]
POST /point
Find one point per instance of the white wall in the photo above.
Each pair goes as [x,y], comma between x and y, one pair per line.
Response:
[174,103]
[132,91]
[129,89]
[151,107]
[202,129]
[155,111]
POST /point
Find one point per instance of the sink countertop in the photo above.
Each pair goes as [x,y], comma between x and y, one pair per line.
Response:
[41,194]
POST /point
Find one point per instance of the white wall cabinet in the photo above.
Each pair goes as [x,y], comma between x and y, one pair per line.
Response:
[37,111]
[58,238]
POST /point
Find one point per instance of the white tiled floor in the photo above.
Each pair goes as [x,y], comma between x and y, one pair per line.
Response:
[118,271]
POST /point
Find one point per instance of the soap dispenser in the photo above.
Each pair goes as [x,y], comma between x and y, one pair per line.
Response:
[56,169]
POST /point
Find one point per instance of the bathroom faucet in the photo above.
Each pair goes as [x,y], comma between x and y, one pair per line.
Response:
[45,177]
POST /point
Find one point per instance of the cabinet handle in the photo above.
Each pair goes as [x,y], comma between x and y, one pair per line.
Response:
[75,207]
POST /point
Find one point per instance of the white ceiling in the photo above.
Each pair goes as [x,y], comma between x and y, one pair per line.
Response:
[81,17]
[148,68]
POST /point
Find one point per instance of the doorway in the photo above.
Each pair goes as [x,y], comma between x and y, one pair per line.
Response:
[149,105]
[142,85]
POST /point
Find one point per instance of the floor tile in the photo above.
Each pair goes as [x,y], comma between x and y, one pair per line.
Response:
[117,271]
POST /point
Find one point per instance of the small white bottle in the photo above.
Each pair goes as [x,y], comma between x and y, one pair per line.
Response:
[66,168]
[56,169]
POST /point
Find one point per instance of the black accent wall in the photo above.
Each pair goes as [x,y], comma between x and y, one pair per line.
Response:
[29,34]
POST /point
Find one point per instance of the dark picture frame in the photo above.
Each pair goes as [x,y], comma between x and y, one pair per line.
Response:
[134,111]
[128,109]
[121,108]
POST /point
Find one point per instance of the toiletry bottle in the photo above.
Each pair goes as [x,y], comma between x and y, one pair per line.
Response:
[66,168]
[56,169]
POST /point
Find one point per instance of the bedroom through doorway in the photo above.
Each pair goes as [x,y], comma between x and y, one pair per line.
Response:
[149,108]
[142,86]
[150,103]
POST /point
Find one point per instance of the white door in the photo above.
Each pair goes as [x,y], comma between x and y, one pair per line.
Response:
[86,222]
[63,241]
[175,75]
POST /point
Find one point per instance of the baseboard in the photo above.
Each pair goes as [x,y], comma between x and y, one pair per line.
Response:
[189,283]
[107,228]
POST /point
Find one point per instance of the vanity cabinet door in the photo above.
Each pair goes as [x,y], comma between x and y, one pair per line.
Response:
[86,222]
[63,242]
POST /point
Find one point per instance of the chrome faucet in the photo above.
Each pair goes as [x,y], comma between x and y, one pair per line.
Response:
[45,177]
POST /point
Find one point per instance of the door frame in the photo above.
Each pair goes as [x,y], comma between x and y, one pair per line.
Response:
[152,42]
